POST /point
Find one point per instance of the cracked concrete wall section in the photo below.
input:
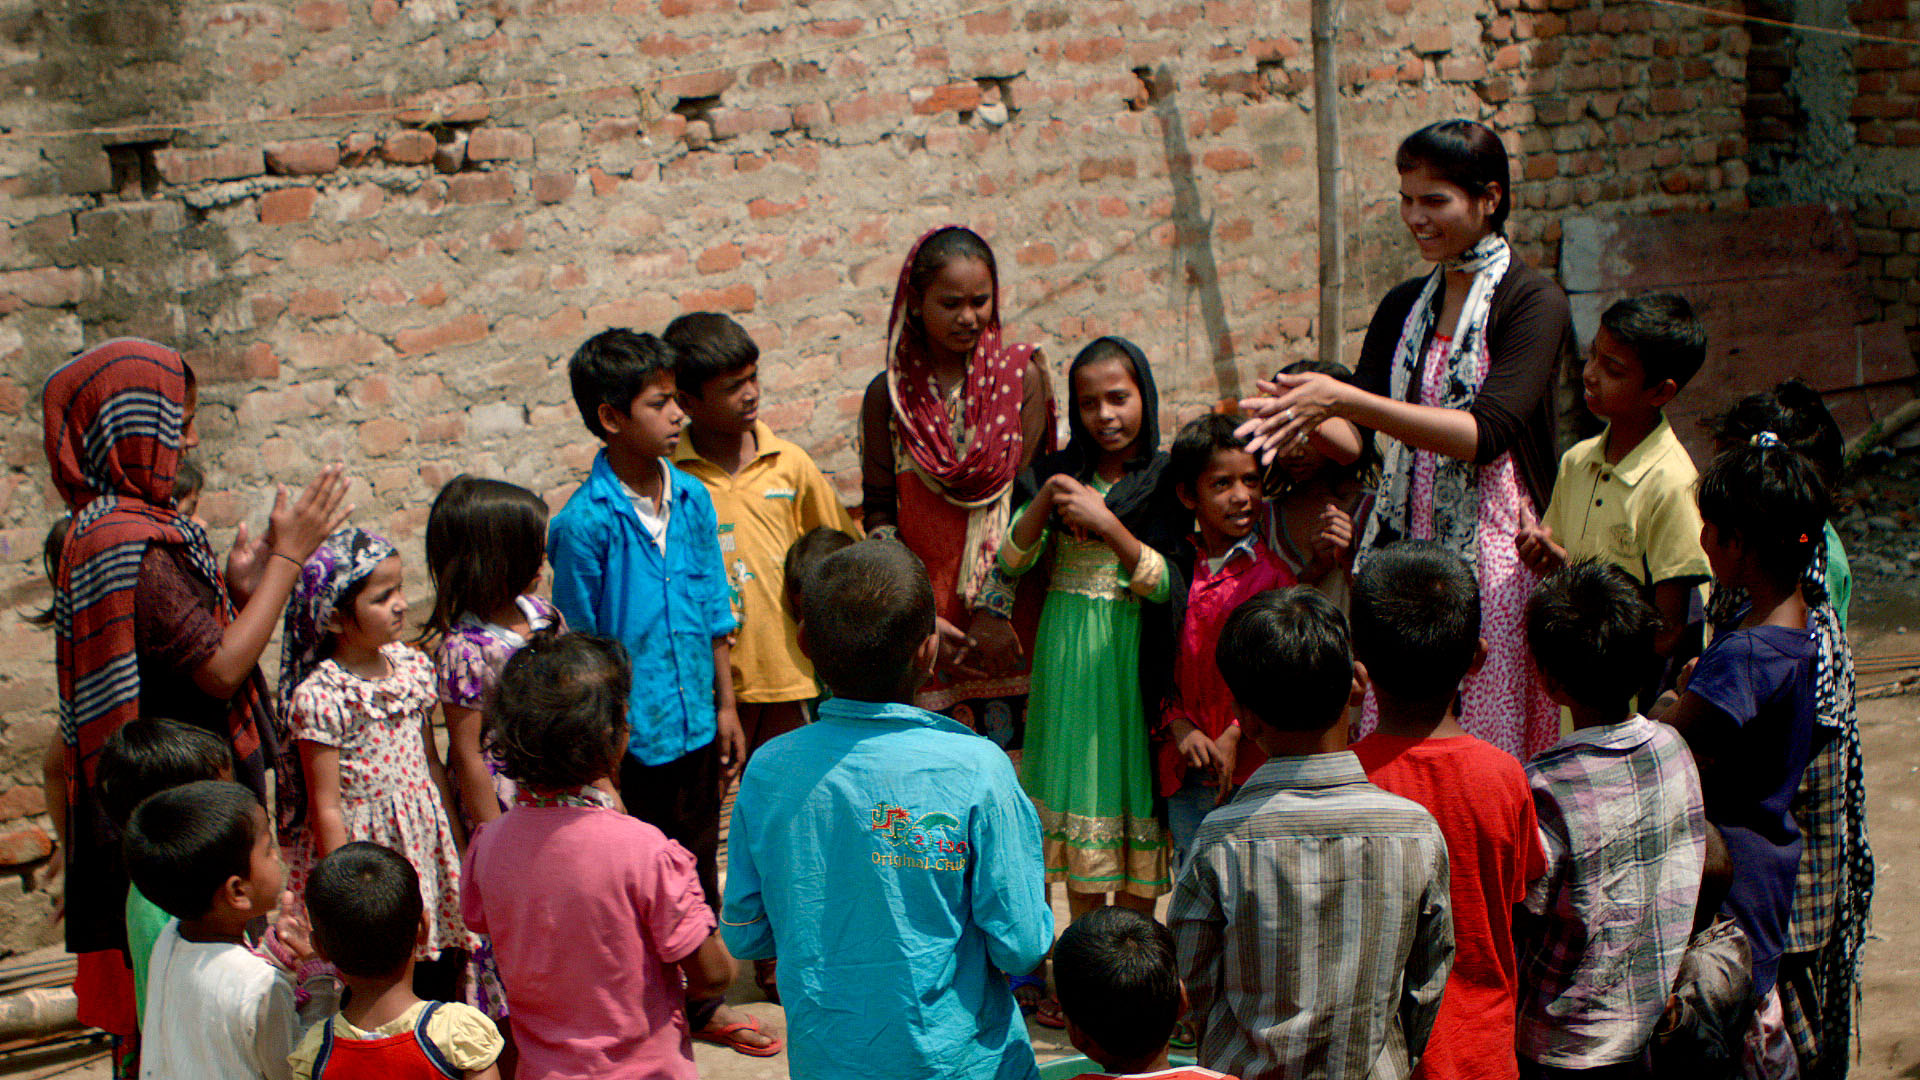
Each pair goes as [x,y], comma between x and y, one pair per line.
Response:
[1837,119]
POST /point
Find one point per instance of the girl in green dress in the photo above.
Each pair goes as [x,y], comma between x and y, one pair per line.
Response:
[1097,510]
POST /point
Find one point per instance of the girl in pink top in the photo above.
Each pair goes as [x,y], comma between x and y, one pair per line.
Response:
[597,920]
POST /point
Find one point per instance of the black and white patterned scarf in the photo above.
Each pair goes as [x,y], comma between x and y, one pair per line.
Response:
[1456,484]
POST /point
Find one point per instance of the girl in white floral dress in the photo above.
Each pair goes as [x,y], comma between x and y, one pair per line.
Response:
[360,708]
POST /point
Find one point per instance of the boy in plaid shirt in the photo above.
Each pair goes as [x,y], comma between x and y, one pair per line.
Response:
[1624,828]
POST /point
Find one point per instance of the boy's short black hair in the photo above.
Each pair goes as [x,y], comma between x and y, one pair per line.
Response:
[365,903]
[1285,656]
[1117,980]
[708,345]
[1663,332]
[559,714]
[1772,500]
[612,368]
[1416,620]
[806,554]
[868,609]
[151,754]
[187,479]
[185,843]
[1196,443]
[1592,632]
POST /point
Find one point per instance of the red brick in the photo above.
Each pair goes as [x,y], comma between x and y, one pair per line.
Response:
[316,304]
[463,330]
[319,16]
[718,259]
[646,310]
[408,148]
[307,157]
[1036,254]
[799,286]
[1432,40]
[949,98]
[23,844]
[734,298]
[553,187]
[480,187]
[1463,69]
[48,287]
[288,205]
[23,800]
[1227,159]
[382,437]
[498,144]
[195,166]
[384,11]
[233,363]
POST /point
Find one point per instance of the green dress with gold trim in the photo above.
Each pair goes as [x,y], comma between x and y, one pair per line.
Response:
[1086,764]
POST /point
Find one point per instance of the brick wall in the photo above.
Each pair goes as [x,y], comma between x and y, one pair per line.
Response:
[399,288]
[1834,119]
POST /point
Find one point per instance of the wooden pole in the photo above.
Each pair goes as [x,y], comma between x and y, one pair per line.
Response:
[1326,130]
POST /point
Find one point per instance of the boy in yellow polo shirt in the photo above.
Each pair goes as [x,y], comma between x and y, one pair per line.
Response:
[766,494]
[1625,496]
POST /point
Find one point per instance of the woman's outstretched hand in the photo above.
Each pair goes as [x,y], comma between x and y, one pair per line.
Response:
[1286,411]
[295,530]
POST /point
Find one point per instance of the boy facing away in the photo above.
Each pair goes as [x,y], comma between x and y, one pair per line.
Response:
[767,493]
[206,854]
[887,852]
[1312,919]
[1119,988]
[636,558]
[1624,828]
[1416,626]
[1625,496]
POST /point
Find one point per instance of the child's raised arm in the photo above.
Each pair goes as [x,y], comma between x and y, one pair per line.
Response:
[266,573]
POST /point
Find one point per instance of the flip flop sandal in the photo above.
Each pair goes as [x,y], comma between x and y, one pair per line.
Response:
[1183,1037]
[724,1036]
[1048,1014]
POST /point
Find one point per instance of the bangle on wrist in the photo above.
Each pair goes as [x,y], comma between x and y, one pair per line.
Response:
[296,562]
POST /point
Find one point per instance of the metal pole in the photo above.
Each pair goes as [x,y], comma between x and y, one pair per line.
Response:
[1326,130]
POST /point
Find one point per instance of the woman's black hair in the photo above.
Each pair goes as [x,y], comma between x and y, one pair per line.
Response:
[1796,416]
[50,549]
[485,542]
[1771,499]
[942,247]
[1466,154]
[559,715]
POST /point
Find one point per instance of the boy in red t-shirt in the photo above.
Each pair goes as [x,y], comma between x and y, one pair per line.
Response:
[1416,627]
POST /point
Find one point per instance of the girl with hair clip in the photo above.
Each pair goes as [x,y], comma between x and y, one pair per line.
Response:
[1748,708]
[1833,893]
[360,706]
[147,622]
[956,416]
[1100,514]
[1456,373]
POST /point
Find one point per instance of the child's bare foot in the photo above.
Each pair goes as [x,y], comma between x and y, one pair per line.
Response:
[739,1032]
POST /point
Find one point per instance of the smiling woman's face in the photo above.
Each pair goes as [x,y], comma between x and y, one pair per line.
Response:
[1444,219]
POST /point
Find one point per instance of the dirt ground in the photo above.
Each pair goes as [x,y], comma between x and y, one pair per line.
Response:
[1886,622]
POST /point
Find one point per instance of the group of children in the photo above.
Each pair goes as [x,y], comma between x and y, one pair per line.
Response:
[1416,898]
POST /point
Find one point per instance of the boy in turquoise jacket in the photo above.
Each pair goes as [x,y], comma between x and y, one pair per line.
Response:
[887,853]
[636,558]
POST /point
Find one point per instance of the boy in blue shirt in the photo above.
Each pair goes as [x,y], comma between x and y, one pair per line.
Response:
[887,853]
[636,558]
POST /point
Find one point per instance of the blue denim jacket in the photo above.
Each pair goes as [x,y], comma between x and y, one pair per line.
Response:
[890,858]
[611,579]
